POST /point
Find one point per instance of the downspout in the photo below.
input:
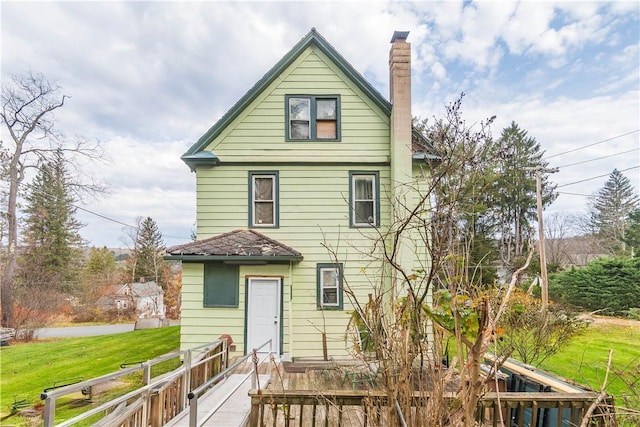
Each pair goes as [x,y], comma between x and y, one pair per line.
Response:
[291,310]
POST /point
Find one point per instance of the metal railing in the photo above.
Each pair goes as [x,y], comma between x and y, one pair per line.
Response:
[158,399]
[253,374]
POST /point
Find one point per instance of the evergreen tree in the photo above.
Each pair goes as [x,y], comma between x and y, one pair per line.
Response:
[609,209]
[632,233]
[100,270]
[513,205]
[101,262]
[51,234]
[147,252]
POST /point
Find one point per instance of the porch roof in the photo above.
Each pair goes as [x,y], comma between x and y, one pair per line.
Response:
[238,246]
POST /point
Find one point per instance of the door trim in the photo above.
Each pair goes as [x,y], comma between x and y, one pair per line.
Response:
[247,280]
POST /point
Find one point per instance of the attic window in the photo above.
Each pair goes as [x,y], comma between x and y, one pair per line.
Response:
[313,118]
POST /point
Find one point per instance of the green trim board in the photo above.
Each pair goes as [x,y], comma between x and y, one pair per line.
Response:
[236,259]
[309,163]
[313,38]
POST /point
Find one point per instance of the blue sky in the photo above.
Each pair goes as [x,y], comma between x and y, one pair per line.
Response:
[146,79]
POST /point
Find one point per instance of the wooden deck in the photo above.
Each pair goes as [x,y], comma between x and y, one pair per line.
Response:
[328,395]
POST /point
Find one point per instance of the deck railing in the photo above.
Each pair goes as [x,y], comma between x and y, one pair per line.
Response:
[368,408]
[158,399]
[194,395]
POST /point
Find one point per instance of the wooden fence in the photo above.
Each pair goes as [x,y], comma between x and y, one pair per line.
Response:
[370,408]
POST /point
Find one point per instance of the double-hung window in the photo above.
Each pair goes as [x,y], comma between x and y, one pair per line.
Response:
[364,189]
[329,277]
[263,199]
[313,118]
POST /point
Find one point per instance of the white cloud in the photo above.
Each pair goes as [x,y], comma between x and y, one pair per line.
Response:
[148,78]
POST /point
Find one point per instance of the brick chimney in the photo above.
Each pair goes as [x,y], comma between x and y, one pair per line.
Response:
[401,153]
[400,97]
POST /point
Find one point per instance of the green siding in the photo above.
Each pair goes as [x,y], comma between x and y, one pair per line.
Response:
[259,132]
[313,206]
[314,209]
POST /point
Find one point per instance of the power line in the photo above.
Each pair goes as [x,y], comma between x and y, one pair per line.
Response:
[591,145]
[122,223]
[104,217]
[574,194]
[595,177]
[600,158]
[111,219]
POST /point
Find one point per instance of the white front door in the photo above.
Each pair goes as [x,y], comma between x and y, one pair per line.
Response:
[263,314]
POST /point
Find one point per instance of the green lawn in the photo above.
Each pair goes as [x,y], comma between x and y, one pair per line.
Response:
[584,360]
[27,369]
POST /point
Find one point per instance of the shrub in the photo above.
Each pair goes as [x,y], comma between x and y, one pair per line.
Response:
[526,335]
[611,285]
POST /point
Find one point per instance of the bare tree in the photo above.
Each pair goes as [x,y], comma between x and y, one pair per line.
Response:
[559,227]
[413,310]
[29,101]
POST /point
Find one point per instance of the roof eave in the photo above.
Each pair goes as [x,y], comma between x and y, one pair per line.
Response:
[236,259]
[202,158]
[426,156]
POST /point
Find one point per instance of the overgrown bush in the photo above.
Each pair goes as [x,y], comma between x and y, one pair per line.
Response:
[611,285]
[634,313]
[526,335]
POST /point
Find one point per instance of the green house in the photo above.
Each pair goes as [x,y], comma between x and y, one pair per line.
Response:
[294,184]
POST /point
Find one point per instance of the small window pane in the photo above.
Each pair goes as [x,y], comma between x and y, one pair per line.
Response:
[329,277]
[263,188]
[330,296]
[364,188]
[264,213]
[364,213]
[300,130]
[326,109]
[299,109]
[326,130]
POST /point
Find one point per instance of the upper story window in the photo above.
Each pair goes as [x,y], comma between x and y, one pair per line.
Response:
[364,196]
[313,118]
[263,199]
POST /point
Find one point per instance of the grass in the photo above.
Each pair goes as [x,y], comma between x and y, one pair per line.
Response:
[27,369]
[584,360]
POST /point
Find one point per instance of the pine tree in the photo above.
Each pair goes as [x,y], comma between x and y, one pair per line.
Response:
[632,233]
[609,210]
[147,252]
[513,198]
[51,234]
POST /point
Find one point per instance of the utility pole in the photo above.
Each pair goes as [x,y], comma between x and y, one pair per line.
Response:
[544,285]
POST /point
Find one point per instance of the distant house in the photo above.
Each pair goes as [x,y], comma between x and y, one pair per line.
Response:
[312,154]
[146,298]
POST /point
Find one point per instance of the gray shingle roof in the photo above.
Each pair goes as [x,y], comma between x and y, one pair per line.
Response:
[237,243]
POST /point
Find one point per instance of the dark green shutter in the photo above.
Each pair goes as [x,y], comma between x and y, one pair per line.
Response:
[221,285]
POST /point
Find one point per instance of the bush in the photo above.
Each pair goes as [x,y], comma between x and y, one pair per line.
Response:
[611,285]
[634,313]
[526,335]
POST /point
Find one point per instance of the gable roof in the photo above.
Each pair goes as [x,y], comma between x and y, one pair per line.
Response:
[236,246]
[195,156]
[146,289]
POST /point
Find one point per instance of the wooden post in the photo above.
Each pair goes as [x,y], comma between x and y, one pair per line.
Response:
[325,354]
[544,286]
